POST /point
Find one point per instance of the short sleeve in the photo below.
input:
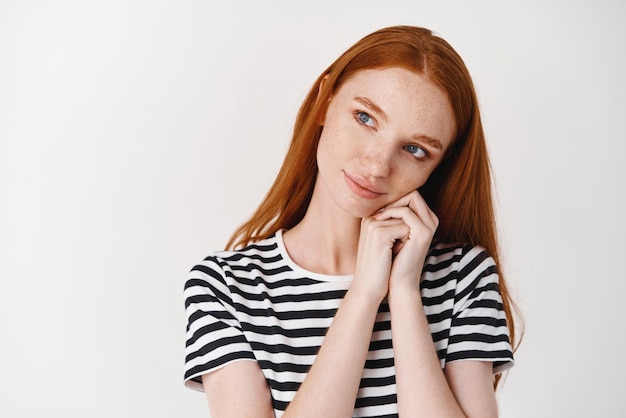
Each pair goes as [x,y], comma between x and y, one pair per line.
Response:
[479,329]
[214,336]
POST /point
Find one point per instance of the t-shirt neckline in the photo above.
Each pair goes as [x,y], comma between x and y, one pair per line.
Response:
[301,270]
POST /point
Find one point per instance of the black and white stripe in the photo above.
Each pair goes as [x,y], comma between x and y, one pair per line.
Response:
[256,304]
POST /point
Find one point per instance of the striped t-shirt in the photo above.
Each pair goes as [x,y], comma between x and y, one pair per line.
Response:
[256,304]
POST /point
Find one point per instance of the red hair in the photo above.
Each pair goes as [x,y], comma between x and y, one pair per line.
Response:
[458,191]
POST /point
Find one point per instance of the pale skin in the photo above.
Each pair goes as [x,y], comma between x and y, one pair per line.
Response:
[384,133]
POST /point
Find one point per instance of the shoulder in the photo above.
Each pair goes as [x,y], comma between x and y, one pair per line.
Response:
[464,269]
[461,259]
[260,252]
[223,273]
[227,266]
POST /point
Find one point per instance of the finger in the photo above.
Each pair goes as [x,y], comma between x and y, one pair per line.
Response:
[403,201]
[422,217]
[397,247]
[388,231]
[413,200]
[416,202]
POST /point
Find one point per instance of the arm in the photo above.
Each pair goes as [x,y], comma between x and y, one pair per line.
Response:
[238,390]
[332,383]
[331,386]
[466,387]
[471,383]
[330,389]
[217,351]
[420,381]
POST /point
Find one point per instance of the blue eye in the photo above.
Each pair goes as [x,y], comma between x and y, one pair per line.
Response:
[416,151]
[364,118]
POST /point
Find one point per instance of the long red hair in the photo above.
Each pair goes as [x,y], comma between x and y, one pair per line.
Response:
[458,191]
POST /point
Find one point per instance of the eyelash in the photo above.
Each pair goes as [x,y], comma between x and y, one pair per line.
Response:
[359,114]
[421,157]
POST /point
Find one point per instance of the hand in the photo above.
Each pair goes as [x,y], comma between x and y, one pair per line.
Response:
[411,248]
[377,240]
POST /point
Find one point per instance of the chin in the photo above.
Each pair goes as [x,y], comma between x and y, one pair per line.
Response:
[362,210]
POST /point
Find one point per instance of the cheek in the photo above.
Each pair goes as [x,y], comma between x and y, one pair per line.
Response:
[331,149]
[413,180]
[322,150]
[325,154]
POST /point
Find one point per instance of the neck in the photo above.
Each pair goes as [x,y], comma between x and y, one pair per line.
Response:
[325,241]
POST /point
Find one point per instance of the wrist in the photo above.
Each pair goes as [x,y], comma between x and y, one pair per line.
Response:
[409,294]
[364,296]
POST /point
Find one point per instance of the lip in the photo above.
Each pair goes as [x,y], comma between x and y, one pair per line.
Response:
[361,187]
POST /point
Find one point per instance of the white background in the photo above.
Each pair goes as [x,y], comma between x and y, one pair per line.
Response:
[136,135]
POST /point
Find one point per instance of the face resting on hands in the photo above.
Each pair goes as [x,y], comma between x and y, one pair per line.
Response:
[385,131]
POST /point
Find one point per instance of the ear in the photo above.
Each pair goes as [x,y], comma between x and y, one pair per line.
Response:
[323,107]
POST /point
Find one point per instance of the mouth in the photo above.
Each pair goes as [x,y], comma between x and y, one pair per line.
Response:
[361,187]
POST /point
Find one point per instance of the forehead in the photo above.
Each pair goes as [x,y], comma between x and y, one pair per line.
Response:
[396,81]
[406,97]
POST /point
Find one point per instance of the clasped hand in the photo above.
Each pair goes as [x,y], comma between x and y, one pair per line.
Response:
[393,245]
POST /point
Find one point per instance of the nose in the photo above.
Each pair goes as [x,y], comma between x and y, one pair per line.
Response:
[377,160]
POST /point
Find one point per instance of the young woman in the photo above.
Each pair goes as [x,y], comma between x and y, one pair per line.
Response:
[366,283]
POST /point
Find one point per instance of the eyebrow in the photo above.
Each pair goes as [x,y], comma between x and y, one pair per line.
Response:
[368,103]
[433,142]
